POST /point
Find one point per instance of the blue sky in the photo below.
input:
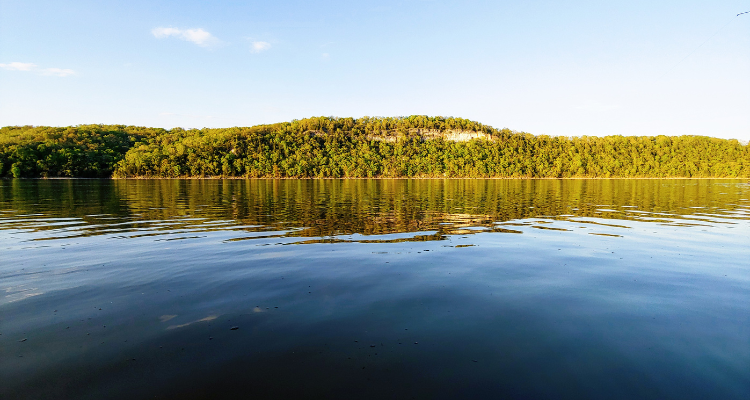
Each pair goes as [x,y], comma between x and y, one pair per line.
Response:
[556,68]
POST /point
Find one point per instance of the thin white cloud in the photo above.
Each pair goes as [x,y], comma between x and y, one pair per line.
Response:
[162,32]
[257,47]
[18,66]
[61,72]
[31,67]
[197,35]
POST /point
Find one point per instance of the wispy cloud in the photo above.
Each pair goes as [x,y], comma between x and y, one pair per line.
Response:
[18,66]
[257,47]
[61,72]
[31,67]
[196,35]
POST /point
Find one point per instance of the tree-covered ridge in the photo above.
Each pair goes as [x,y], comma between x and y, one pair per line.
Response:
[82,151]
[348,147]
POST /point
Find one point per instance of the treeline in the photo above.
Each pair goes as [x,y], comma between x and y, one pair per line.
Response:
[89,151]
[347,147]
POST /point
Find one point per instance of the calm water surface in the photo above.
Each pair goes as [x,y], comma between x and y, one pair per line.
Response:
[615,289]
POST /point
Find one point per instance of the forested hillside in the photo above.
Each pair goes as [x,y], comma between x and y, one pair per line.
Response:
[365,147]
[82,151]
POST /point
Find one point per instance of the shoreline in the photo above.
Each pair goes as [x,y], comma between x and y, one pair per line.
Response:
[216,178]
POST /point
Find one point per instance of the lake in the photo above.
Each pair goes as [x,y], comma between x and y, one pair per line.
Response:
[351,289]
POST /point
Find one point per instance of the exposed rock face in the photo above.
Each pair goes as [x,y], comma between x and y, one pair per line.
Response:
[451,135]
[423,134]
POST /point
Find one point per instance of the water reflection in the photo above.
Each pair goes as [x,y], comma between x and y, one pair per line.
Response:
[403,289]
[335,210]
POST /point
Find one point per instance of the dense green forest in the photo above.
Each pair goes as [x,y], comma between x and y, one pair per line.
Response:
[364,147]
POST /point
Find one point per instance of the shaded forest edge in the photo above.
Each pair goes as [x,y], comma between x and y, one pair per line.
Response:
[323,147]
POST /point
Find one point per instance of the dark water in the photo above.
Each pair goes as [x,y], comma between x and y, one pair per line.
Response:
[615,289]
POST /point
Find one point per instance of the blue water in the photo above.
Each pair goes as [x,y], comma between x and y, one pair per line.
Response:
[375,289]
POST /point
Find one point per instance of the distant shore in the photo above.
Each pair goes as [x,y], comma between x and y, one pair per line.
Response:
[417,147]
[240,178]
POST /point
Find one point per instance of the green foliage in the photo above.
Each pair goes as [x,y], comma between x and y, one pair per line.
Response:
[81,151]
[365,147]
